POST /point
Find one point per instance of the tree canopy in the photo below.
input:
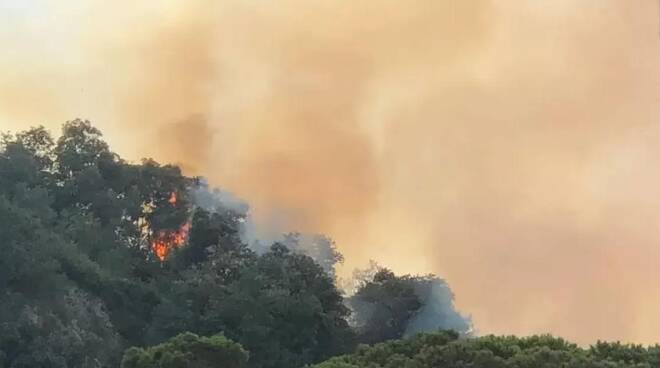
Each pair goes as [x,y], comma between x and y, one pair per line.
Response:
[386,306]
[188,350]
[109,263]
[100,254]
[446,349]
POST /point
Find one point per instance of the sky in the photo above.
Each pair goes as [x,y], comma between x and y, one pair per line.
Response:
[508,146]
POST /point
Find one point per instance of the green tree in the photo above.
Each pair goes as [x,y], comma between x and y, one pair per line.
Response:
[383,307]
[386,306]
[446,349]
[188,350]
[285,309]
[45,319]
[217,232]
[282,306]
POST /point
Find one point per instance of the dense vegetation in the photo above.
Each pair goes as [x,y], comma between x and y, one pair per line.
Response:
[188,350]
[446,350]
[107,263]
[388,307]
[99,255]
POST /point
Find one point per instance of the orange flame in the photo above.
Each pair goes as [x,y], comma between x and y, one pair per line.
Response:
[166,240]
[160,249]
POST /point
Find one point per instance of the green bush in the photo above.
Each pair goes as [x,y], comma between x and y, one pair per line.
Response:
[447,350]
[188,350]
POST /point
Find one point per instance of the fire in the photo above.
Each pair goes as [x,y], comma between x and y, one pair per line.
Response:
[181,236]
[166,240]
[160,249]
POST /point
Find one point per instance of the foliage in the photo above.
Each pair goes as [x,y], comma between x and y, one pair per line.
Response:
[285,309]
[80,280]
[388,307]
[320,247]
[45,319]
[77,271]
[281,306]
[446,349]
[188,350]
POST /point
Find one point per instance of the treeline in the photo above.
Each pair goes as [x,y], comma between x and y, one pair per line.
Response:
[98,255]
[426,350]
[447,350]
[107,263]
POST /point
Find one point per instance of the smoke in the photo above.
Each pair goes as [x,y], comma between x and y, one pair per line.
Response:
[508,146]
[385,306]
[215,200]
[438,311]
[261,236]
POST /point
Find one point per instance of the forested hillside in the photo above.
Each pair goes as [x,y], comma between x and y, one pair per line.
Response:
[108,263]
[98,255]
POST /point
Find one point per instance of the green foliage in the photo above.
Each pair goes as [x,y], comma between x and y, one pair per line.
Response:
[285,309]
[320,247]
[446,349]
[384,306]
[213,232]
[76,267]
[79,280]
[188,350]
[387,307]
[281,306]
[45,319]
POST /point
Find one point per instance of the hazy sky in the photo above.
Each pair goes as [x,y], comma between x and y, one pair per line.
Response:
[508,146]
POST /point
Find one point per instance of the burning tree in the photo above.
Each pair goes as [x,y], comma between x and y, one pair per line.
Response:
[172,233]
[165,240]
[164,223]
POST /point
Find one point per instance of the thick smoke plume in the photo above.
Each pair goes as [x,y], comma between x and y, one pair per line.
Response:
[508,146]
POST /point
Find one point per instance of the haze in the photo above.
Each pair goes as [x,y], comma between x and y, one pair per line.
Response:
[509,147]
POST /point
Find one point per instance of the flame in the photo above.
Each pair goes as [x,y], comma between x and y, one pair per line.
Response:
[166,240]
[181,236]
[160,249]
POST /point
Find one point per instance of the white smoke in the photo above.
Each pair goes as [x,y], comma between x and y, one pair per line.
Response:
[259,237]
[438,311]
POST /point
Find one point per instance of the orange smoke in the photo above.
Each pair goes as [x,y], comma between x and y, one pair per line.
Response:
[505,145]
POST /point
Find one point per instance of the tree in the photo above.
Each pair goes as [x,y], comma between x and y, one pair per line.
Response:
[384,306]
[216,232]
[285,309]
[281,306]
[188,350]
[80,146]
[45,319]
[319,247]
[446,349]
[437,311]
[389,307]
[77,218]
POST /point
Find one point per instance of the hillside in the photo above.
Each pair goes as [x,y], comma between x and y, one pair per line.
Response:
[108,263]
[100,254]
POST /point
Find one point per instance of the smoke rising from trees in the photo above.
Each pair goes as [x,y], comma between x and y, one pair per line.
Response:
[507,146]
